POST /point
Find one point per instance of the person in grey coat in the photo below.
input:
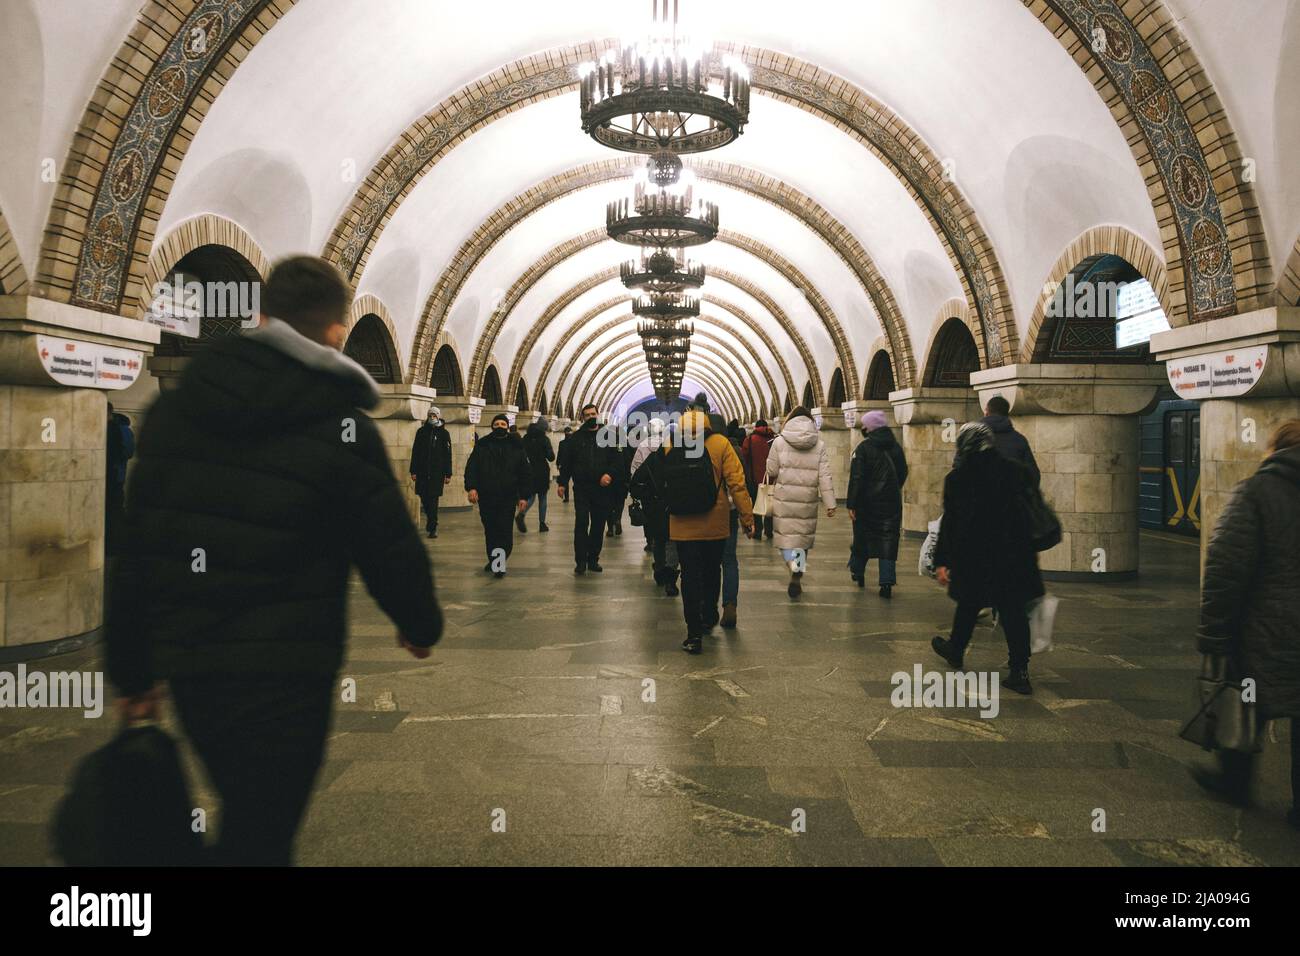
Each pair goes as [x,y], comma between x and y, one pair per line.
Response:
[1250,605]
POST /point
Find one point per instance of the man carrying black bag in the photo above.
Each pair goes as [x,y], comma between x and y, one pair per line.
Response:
[259,484]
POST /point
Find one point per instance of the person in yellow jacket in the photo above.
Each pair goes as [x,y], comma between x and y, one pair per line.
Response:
[701,538]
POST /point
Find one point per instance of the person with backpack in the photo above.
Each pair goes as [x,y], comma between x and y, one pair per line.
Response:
[646,487]
[537,445]
[498,480]
[753,455]
[591,463]
[700,473]
[431,466]
[875,502]
[799,469]
[985,554]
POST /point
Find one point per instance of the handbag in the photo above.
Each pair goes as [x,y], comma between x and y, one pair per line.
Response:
[635,514]
[1043,525]
[763,500]
[128,805]
[1222,721]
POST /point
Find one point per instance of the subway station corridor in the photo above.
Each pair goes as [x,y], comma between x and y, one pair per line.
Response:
[302,300]
[533,704]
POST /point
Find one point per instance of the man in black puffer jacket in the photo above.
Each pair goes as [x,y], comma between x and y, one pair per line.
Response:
[1250,604]
[258,485]
[1009,442]
[591,462]
[497,479]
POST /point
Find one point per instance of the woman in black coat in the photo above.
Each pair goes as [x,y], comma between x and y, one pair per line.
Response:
[875,501]
[537,445]
[1250,603]
[431,466]
[984,553]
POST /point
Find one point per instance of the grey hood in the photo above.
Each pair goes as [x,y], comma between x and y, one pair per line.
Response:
[281,336]
[800,433]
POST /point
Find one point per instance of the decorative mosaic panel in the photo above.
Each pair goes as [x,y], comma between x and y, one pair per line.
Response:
[1135,72]
[180,70]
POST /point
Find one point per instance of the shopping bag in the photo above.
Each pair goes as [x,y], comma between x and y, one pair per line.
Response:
[1042,615]
[128,805]
[925,566]
[1222,719]
[763,500]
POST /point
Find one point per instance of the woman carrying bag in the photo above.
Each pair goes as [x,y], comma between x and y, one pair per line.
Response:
[800,472]
[1250,612]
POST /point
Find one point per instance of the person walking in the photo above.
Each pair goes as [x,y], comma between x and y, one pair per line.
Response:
[119,448]
[646,486]
[1009,442]
[618,489]
[753,455]
[653,439]
[730,564]
[875,502]
[1250,606]
[701,536]
[984,554]
[498,480]
[561,452]
[259,484]
[590,463]
[799,469]
[537,445]
[431,466]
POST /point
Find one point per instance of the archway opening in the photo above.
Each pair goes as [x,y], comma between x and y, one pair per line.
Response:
[836,397]
[371,347]
[492,387]
[953,357]
[209,294]
[808,400]
[1104,310]
[445,374]
[521,395]
[880,378]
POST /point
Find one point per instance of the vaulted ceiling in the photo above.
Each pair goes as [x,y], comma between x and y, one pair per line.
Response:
[899,156]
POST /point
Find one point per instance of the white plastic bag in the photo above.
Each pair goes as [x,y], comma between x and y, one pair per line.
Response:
[925,567]
[763,500]
[1042,616]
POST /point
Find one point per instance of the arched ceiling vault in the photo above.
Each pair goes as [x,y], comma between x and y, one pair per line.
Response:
[715,372]
[704,373]
[86,238]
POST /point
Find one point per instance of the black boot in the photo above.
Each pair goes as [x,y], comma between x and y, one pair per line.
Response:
[693,644]
[670,583]
[1018,680]
[618,528]
[519,523]
[542,526]
[944,648]
[886,590]
[580,568]
[594,566]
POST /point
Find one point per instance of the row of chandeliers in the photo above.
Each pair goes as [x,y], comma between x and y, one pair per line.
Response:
[660,97]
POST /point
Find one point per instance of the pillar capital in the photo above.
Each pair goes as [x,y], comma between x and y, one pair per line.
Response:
[932,406]
[854,410]
[1070,389]
[461,409]
[832,418]
[489,411]
[51,344]
[1251,355]
[404,402]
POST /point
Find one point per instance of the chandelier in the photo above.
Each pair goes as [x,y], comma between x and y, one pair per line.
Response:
[659,93]
[666,306]
[662,215]
[661,272]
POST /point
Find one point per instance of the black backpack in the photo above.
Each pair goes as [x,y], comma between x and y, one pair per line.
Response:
[687,482]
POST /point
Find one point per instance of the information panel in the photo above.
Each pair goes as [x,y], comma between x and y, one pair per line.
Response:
[88,364]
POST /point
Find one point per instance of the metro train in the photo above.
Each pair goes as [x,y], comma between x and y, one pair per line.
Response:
[1169,468]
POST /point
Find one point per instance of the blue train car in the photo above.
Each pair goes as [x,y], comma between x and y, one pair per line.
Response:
[1169,465]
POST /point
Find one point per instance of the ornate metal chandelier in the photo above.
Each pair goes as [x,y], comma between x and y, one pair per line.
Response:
[672,305]
[662,215]
[659,93]
[661,271]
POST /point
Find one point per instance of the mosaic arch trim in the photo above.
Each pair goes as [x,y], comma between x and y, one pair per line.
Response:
[1288,287]
[539,77]
[702,324]
[571,247]
[1201,265]
[785,198]
[207,229]
[577,326]
[13,277]
[133,163]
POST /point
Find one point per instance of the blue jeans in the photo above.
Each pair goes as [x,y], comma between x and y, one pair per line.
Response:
[730,566]
[541,505]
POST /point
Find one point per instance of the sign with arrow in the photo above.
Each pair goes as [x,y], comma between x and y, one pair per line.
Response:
[88,364]
[1217,374]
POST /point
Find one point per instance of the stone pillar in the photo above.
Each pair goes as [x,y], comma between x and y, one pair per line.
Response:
[930,418]
[490,411]
[1241,402]
[839,445]
[1082,424]
[398,416]
[463,416]
[53,423]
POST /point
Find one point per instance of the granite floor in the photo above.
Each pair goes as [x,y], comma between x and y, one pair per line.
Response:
[559,723]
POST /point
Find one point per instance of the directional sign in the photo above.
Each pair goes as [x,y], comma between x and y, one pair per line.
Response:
[475,414]
[1217,374]
[850,418]
[88,364]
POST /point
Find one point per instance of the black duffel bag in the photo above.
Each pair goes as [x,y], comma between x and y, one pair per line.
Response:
[1041,521]
[129,806]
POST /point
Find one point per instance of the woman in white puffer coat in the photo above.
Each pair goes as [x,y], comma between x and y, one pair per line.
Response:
[800,471]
